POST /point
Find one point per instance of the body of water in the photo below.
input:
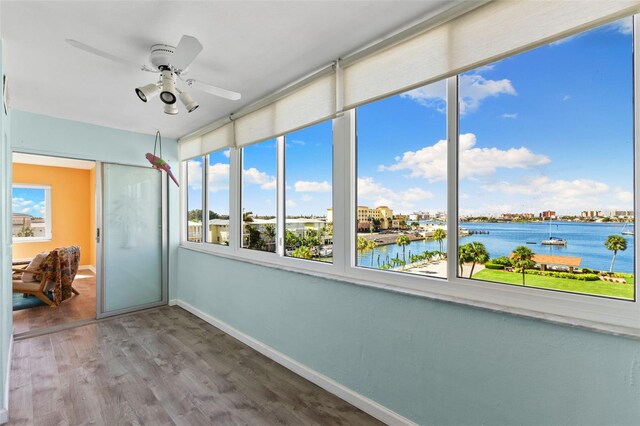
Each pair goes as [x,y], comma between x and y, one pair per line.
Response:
[584,240]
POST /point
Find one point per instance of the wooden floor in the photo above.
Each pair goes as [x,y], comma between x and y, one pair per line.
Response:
[79,307]
[161,367]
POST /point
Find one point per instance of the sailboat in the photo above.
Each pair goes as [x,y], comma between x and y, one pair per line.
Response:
[624,230]
[553,241]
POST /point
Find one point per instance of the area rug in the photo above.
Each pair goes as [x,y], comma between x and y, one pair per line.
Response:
[20,302]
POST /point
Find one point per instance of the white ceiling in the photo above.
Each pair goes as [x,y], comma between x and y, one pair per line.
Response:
[251,47]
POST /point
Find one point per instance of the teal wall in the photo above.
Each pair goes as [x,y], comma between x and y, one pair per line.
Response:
[430,361]
[39,134]
[6,323]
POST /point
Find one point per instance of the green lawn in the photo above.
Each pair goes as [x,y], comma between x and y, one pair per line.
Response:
[600,288]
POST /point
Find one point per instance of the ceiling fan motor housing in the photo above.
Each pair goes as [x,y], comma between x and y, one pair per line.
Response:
[160,56]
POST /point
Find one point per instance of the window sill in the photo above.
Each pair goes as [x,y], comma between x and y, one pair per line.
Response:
[31,240]
[327,272]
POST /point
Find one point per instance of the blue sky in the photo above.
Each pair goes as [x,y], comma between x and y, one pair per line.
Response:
[547,129]
[28,201]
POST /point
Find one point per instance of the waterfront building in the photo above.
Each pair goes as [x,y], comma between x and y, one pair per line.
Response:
[589,214]
[548,214]
[382,213]
[621,214]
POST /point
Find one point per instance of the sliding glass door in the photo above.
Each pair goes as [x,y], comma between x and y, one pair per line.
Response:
[133,241]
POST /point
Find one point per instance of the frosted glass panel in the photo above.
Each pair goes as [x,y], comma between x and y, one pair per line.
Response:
[132,232]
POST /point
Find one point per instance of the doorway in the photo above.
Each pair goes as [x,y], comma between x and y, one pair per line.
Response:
[53,206]
[114,213]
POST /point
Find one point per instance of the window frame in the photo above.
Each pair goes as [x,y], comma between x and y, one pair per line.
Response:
[48,235]
[614,316]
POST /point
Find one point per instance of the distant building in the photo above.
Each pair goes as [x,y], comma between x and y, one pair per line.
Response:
[621,214]
[548,214]
[516,216]
[365,214]
[591,214]
[21,222]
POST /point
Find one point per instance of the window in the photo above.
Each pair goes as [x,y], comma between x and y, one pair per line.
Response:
[401,183]
[308,193]
[194,199]
[31,219]
[546,166]
[259,196]
[540,180]
[218,197]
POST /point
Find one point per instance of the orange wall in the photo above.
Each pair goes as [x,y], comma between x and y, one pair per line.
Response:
[72,209]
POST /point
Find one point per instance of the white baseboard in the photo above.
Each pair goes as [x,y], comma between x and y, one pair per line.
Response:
[367,405]
[173,302]
[4,411]
[89,267]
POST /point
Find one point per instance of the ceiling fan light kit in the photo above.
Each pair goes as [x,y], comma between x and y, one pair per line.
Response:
[188,101]
[168,94]
[147,92]
[171,109]
[170,62]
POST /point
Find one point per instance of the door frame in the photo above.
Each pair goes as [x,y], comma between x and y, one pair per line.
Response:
[99,237]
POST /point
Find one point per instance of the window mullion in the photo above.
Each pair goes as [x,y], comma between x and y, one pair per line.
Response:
[636,136]
[235,199]
[452,177]
[280,184]
[205,199]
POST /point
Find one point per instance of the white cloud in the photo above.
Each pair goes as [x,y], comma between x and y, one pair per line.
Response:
[296,142]
[311,186]
[492,209]
[18,203]
[194,174]
[256,177]
[511,116]
[622,26]
[433,95]
[378,195]
[218,176]
[291,203]
[489,67]
[306,198]
[226,153]
[474,88]
[431,162]
[542,192]
[625,197]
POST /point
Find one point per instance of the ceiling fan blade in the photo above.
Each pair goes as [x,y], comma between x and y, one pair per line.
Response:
[213,90]
[105,55]
[188,48]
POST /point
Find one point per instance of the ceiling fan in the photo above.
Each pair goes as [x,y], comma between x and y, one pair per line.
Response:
[171,63]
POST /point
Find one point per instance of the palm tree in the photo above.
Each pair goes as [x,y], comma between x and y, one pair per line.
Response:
[362,244]
[615,243]
[521,258]
[479,254]
[247,217]
[270,233]
[464,256]
[439,235]
[402,241]
[371,245]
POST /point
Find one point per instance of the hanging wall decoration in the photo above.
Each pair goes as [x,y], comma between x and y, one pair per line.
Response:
[158,162]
